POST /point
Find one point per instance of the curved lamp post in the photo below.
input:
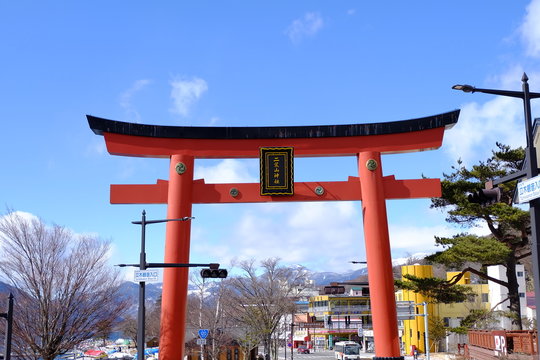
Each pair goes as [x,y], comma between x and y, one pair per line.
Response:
[143,265]
[530,170]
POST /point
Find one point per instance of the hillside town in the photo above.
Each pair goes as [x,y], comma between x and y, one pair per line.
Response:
[325,315]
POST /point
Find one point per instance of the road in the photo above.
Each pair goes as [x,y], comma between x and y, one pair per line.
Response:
[325,355]
[318,355]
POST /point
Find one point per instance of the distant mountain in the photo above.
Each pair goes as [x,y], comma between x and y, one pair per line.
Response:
[325,278]
[5,288]
[130,290]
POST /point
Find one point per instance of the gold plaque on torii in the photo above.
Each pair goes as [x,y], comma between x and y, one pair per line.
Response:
[277,171]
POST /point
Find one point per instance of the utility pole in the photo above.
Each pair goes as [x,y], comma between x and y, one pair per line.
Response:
[426,334]
[292,339]
[142,295]
[9,328]
[216,325]
[213,272]
[200,316]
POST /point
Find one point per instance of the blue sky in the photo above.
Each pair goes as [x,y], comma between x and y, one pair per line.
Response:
[247,63]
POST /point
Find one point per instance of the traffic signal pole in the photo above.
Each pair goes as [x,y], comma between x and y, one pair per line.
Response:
[200,316]
[142,293]
[213,271]
[142,284]
[530,171]
[534,205]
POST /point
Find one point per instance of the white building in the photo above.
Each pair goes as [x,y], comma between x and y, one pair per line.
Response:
[498,293]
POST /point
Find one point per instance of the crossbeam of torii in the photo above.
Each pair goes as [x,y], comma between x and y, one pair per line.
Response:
[184,144]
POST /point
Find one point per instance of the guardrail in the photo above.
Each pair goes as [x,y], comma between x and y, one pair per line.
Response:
[503,342]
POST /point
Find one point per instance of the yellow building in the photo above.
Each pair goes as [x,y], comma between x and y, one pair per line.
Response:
[452,314]
[414,330]
[342,317]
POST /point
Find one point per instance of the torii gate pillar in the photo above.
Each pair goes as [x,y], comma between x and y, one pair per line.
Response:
[184,144]
[379,258]
[177,241]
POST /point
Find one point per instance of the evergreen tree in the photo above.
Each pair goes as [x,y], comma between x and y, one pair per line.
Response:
[437,331]
[508,242]
[437,290]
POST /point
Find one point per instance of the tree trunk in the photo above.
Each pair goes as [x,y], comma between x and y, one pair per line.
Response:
[513,292]
[267,346]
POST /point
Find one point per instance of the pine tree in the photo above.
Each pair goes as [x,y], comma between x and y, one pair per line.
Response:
[508,242]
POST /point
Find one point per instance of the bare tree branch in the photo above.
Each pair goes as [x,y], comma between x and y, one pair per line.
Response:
[66,291]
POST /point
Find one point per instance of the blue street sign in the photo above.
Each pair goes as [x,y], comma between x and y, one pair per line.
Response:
[203,333]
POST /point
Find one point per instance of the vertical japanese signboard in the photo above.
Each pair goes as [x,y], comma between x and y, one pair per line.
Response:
[277,175]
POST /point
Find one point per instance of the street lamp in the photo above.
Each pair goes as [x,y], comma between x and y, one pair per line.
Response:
[143,265]
[530,171]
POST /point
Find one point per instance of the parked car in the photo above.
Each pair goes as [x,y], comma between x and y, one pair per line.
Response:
[302,349]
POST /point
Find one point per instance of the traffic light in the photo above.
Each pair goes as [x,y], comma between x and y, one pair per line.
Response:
[486,196]
[334,289]
[214,273]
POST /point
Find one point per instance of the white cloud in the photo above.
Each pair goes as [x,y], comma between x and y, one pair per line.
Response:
[308,25]
[500,119]
[29,217]
[310,215]
[186,92]
[530,29]
[127,96]
[226,171]
[323,236]
[480,126]
[412,239]
[320,236]
[509,79]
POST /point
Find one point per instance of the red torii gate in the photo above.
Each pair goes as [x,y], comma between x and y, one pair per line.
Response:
[366,141]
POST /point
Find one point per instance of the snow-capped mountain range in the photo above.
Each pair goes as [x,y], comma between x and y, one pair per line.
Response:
[153,290]
[130,289]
